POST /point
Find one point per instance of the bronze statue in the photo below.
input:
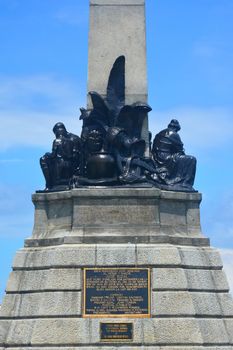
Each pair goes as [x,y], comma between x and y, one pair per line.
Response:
[111,151]
[174,168]
[64,161]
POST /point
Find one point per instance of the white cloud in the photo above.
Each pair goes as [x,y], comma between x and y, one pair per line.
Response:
[204,49]
[33,129]
[30,106]
[220,218]
[33,92]
[201,128]
[16,211]
[227,257]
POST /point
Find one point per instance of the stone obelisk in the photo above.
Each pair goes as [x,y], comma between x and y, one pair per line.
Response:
[118,28]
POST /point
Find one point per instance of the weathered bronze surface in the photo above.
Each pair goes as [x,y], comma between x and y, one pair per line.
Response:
[116,332]
[118,292]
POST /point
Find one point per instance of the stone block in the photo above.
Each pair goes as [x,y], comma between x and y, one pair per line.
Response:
[39,280]
[171,331]
[110,211]
[20,332]
[202,280]
[191,304]
[168,279]
[4,327]
[157,255]
[212,304]
[172,213]
[112,255]
[57,332]
[42,304]
[60,216]
[181,196]
[60,331]
[62,256]
[193,214]
[86,215]
[172,304]
[188,279]
[200,257]
[229,327]
[213,331]
[74,331]
[151,254]
[226,303]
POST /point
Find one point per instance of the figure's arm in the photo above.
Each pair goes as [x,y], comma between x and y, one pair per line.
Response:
[177,143]
[54,149]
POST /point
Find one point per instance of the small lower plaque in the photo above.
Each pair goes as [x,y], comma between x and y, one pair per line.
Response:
[116,332]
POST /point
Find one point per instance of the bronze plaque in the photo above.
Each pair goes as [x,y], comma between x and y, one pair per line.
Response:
[118,292]
[116,332]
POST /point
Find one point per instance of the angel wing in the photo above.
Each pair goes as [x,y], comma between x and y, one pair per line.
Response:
[131,118]
[100,112]
[125,118]
[116,86]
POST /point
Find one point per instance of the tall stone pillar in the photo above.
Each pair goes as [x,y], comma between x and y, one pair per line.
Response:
[117,27]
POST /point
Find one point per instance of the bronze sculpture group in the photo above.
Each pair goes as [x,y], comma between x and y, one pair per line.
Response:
[111,152]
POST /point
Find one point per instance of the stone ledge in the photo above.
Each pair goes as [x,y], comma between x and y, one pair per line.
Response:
[107,347]
[162,279]
[79,255]
[117,2]
[60,331]
[119,239]
[163,304]
[117,192]
[117,212]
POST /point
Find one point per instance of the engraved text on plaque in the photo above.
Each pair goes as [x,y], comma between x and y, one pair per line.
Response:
[117,291]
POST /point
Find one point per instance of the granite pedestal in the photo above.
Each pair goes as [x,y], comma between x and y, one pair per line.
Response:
[191,307]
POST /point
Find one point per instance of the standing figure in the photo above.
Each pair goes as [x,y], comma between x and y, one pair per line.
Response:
[64,161]
[174,168]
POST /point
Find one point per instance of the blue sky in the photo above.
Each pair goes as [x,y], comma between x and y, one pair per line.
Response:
[43,73]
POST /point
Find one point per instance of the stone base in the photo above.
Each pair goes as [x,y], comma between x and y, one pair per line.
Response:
[191,307]
[122,215]
[190,303]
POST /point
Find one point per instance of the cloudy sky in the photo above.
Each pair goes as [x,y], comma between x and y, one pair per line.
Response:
[43,72]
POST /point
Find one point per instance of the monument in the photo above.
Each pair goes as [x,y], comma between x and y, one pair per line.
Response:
[117,258]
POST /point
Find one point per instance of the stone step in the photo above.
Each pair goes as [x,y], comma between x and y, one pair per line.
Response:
[79,255]
[133,234]
[70,279]
[127,347]
[77,331]
[163,304]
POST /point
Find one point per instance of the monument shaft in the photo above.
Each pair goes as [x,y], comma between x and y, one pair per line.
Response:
[117,28]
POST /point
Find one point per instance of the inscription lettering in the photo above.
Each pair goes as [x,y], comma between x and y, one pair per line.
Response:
[118,332]
[117,291]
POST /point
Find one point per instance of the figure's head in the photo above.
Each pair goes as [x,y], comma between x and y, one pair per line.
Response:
[59,129]
[174,124]
[141,108]
[95,140]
